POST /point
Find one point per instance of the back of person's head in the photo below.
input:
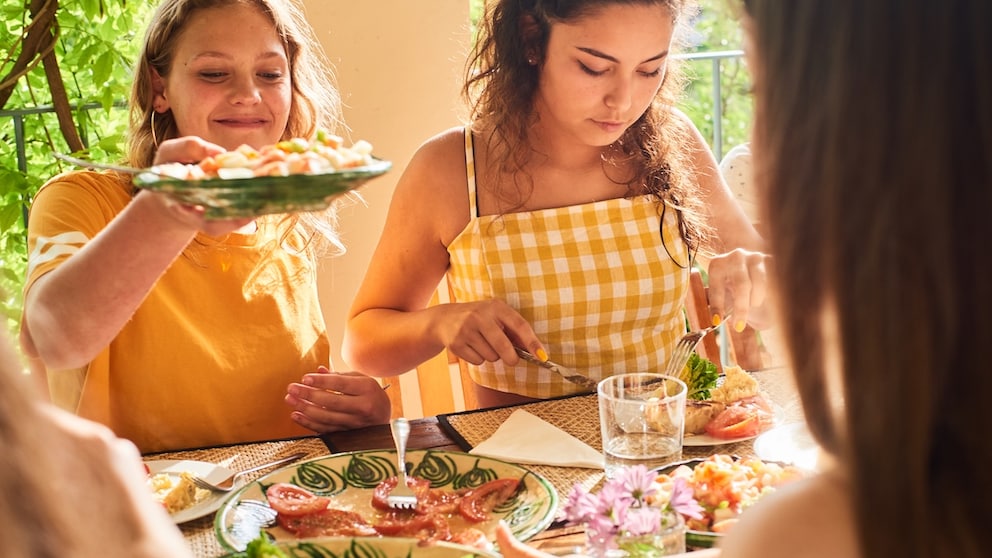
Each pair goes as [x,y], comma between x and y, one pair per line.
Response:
[36,521]
[873,129]
[316,103]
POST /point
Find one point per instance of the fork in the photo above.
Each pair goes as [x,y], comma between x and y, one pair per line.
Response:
[230,482]
[401,497]
[558,369]
[683,349]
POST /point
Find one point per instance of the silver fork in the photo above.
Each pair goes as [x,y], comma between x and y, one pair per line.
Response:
[558,369]
[231,482]
[401,497]
[683,349]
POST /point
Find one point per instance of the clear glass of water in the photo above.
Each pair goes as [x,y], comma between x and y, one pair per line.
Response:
[642,419]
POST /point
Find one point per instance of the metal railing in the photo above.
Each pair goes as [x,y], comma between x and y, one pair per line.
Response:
[716,60]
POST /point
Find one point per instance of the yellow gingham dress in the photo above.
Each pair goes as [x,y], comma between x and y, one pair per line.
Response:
[594,280]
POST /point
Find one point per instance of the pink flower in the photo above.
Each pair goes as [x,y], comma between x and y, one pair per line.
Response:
[683,501]
[627,505]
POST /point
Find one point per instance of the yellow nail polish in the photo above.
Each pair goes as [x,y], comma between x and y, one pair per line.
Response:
[740,325]
[716,320]
[542,354]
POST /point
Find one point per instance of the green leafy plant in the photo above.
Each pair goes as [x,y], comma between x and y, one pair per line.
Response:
[73,57]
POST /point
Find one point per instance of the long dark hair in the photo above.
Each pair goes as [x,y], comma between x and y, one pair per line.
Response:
[872,134]
[500,84]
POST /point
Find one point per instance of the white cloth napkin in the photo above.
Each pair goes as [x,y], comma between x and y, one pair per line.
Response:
[526,438]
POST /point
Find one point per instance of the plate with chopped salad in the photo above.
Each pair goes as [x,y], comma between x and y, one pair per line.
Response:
[725,487]
[289,176]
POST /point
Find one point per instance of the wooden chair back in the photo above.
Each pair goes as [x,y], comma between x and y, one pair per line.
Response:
[744,347]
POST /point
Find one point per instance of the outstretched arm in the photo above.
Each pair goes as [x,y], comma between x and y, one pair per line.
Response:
[74,311]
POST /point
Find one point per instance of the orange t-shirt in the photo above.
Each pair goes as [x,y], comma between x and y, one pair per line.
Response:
[206,358]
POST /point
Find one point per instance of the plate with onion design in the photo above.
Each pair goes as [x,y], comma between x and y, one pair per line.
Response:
[349,479]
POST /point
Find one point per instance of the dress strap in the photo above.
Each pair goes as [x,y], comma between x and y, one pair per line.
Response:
[470,174]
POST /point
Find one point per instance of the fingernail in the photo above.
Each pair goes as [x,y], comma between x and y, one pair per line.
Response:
[542,354]
[307,380]
[716,320]
[740,325]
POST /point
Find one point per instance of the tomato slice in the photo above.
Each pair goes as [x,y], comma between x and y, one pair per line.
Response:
[470,536]
[381,491]
[426,527]
[478,502]
[327,522]
[734,422]
[291,500]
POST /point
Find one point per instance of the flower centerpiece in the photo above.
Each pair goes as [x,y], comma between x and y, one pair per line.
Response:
[631,517]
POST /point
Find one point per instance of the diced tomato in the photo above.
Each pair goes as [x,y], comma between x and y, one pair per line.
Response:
[478,502]
[734,422]
[326,523]
[293,501]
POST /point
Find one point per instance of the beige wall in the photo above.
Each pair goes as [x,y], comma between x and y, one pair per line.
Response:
[398,65]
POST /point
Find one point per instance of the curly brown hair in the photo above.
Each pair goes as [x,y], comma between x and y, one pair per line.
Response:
[500,86]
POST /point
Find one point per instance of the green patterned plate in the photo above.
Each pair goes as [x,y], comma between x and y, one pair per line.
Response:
[349,478]
[261,195]
[372,547]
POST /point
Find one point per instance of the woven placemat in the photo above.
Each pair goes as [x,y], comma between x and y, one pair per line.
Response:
[199,533]
[579,416]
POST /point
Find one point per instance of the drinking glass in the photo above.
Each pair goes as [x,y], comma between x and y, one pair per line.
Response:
[642,419]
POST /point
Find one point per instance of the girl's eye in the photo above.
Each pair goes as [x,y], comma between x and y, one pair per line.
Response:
[655,73]
[270,75]
[212,75]
[590,71]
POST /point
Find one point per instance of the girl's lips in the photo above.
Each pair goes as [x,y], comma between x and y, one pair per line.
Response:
[609,126]
[242,123]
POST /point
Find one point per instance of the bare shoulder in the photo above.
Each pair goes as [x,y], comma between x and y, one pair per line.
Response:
[433,189]
[441,156]
[811,518]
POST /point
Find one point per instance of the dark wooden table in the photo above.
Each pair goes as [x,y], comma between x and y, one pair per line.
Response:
[428,434]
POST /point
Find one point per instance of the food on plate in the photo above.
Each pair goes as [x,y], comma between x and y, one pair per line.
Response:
[324,153]
[700,377]
[440,514]
[262,547]
[735,409]
[176,491]
[737,384]
[699,413]
[725,488]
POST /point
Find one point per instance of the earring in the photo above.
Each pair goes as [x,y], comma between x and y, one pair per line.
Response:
[532,60]
[154,136]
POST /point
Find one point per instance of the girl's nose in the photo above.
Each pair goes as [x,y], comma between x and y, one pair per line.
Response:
[245,91]
[618,97]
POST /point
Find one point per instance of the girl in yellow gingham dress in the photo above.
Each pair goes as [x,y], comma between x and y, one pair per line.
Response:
[594,281]
[586,192]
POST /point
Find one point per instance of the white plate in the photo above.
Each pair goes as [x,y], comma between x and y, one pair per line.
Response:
[208,471]
[697,440]
[789,443]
